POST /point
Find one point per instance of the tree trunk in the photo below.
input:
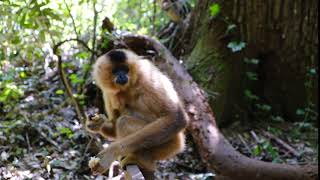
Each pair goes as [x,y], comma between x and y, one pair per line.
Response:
[282,34]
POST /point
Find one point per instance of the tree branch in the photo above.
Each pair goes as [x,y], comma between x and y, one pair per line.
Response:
[216,152]
[65,82]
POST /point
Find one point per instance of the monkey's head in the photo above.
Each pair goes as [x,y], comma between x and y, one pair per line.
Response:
[116,70]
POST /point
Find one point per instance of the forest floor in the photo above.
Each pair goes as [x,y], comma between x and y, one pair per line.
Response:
[40,138]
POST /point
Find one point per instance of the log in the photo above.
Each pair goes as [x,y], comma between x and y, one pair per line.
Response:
[216,152]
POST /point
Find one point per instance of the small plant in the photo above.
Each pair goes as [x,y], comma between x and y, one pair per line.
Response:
[236,46]
[214,9]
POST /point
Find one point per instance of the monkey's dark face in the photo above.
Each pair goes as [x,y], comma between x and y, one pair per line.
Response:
[120,69]
[116,70]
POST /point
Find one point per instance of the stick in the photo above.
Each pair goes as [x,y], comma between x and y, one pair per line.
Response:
[244,143]
[133,173]
[282,143]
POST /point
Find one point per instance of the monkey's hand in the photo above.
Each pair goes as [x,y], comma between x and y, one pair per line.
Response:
[103,160]
[100,124]
[95,122]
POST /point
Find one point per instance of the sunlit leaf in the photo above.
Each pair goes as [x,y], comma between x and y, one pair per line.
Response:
[236,46]
[214,9]
[300,112]
[59,91]
[23,74]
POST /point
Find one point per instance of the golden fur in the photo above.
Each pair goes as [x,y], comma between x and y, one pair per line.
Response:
[146,113]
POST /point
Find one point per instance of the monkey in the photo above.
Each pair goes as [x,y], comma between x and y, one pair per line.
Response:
[146,117]
[177,10]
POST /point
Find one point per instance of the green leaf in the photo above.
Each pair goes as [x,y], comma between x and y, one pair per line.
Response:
[59,92]
[250,95]
[264,107]
[214,9]
[75,79]
[23,74]
[300,112]
[313,71]
[82,55]
[277,118]
[252,76]
[230,28]
[236,46]
[257,150]
[251,61]
[66,131]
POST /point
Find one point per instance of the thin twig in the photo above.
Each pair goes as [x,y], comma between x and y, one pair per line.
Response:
[44,135]
[282,143]
[244,143]
[28,142]
[254,135]
[93,55]
[87,148]
[72,19]
[79,111]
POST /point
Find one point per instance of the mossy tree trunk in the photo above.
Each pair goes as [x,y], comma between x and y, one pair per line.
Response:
[281,34]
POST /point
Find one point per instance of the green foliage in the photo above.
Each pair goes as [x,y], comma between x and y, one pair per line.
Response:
[251,61]
[266,147]
[252,76]
[59,92]
[214,9]
[145,18]
[75,79]
[236,46]
[10,92]
[66,132]
[250,95]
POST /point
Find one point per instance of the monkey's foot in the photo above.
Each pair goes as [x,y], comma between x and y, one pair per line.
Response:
[128,160]
[134,160]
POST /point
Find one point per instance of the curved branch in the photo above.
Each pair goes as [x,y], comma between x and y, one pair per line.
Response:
[216,152]
[79,110]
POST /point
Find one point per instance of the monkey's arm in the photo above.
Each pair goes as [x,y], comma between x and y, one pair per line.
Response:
[153,134]
[108,105]
[99,124]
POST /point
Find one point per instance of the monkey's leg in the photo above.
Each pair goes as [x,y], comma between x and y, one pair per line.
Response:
[144,160]
[127,125]
[170,148]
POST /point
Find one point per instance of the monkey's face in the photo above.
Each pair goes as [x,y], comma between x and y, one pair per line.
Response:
[115,70]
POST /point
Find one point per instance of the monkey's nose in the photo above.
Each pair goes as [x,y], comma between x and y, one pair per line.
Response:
[122,79]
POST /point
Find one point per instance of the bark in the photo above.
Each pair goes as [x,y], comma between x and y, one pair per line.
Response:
[214,149]
[283,34]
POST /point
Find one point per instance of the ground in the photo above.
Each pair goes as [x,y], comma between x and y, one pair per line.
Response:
[41,138]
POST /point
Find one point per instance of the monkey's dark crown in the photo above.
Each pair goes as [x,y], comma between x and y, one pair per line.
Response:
[117,56]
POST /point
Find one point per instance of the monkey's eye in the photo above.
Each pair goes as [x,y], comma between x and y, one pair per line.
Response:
[120,68]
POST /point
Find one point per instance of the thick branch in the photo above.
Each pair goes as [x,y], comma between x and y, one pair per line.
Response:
[214,149]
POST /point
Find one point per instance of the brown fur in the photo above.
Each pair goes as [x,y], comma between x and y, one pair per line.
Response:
[147,113]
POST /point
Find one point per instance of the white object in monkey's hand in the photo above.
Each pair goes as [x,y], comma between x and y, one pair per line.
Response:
[95,166]
[101,163]
[93,162]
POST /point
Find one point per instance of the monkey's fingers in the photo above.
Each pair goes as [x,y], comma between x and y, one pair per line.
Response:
[96,167]
[94,117]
